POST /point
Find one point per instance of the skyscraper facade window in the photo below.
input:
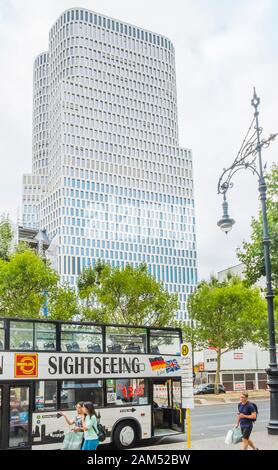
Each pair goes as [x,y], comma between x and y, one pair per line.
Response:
[105,138]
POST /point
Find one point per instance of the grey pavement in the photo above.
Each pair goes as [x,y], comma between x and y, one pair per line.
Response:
[262,440]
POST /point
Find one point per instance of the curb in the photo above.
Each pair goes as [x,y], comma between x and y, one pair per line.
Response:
[225,401]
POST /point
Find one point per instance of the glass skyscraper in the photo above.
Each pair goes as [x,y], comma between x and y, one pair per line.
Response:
[109,178]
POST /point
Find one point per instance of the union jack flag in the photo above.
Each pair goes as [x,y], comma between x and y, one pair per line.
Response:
[172,366]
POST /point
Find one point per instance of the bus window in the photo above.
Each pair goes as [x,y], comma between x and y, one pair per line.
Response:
[19,416]
[45,336]
[21,335]
[126,391]
[81,338]
[73,391]
[46,395]
[2,335]
[126,340]
[165,342]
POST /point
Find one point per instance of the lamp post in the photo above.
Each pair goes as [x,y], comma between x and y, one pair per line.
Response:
[250,149]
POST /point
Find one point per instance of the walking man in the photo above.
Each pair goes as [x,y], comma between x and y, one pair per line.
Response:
[246,415]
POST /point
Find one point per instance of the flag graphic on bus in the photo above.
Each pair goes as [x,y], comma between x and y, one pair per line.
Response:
[157,363]
[172,366]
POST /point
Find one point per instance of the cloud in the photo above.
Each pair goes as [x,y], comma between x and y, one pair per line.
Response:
[223,49]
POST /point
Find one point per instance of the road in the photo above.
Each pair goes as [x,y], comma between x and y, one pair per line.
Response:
[211,421]
[215,420]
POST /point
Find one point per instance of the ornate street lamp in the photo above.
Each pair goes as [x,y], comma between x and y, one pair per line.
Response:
[251,147]
[226,223]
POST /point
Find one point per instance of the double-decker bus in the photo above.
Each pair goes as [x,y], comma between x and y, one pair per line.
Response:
[131,374]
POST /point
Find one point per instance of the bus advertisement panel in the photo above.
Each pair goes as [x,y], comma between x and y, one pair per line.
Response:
[49,366]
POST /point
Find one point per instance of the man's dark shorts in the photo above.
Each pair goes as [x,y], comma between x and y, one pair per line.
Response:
[246,432]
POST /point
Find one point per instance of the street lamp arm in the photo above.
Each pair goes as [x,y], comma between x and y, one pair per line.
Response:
[246,157]
[223,186]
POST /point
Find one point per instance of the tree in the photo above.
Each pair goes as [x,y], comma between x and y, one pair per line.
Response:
[227,314]
[252,254]
[89,282]
[62,303]
[6,236]
[23,281]
[130,295]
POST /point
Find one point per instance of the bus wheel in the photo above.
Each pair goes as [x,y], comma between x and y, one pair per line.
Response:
[125,435]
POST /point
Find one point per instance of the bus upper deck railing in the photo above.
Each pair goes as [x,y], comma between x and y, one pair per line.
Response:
[80,337]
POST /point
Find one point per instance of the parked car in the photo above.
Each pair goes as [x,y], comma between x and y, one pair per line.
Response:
[208,388]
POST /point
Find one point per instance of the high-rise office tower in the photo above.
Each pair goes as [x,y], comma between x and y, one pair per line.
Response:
[35,184]
[119,187]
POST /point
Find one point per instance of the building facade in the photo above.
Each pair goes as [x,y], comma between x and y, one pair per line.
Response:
[241,369]
[119,186]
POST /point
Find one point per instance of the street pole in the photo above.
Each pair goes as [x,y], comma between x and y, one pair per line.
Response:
[192,351]
[245,159]
[272,371]
[188,428]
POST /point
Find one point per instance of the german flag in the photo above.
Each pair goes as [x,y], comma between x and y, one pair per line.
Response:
[157,363]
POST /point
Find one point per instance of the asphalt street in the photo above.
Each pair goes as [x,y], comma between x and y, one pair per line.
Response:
[211,421]
[215,420]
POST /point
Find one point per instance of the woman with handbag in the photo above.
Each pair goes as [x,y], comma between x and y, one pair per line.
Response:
[73,439]
[89,423]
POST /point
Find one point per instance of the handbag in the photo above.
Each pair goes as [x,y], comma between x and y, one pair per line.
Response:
[229,437]
[237,436]
[100,431]
[72,441]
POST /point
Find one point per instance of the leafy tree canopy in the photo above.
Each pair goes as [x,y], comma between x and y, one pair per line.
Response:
[23,280]
[252,254]
[6,236]
[227,315]
[129,295]
[62,303]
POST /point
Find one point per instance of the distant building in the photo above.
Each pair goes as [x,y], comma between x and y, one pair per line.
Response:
[34,238]
[238,270]
[241,369]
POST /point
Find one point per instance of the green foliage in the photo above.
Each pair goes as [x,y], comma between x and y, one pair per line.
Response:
[62,303]
[6,236]
[252,254]
[129,295]
[227,314]
[23,280]
[89,281]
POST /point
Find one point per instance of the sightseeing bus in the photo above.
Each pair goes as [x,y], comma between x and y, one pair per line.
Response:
[132,375]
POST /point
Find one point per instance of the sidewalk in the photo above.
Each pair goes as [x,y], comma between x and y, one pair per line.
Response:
[261,439]
[229,397]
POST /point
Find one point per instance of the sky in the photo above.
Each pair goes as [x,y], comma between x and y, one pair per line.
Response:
[223,49]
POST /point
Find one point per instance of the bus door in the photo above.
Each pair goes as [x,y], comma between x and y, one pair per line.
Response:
[17,416]
[166,406]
